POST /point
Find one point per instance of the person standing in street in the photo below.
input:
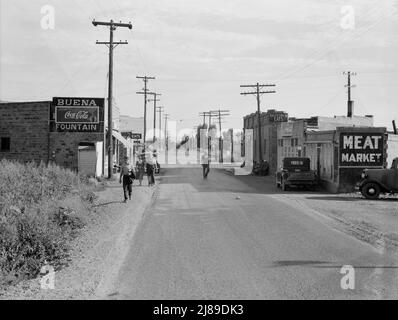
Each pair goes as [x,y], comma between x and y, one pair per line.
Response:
[149,172]
[205,164]
[126,179]
[140,169]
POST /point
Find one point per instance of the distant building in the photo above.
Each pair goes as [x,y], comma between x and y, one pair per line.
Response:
[132,129]
[322,140]
[339,156]
[269,121]
[133,126]
[291,135]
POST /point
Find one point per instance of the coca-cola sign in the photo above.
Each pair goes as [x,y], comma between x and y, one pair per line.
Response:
[76,114]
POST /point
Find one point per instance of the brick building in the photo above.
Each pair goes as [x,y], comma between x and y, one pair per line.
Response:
[24,131]
[269,121]
[69,133]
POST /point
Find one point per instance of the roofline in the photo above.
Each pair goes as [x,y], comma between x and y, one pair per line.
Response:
[24,102]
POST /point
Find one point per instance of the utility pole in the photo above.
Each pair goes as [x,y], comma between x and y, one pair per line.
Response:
[111,45]
[220,114]
[204,114]
[166,137]
[154,113]
[160,110]
[350,103]
[258,93]
[232,145]
[145,93]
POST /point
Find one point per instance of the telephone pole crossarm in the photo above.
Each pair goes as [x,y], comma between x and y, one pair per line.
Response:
[107,42]
[113,24]
[260,92]
[255,85]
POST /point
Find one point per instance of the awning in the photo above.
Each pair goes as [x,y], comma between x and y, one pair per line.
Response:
[123,140]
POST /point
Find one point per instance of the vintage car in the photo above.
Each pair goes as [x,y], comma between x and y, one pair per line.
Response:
[376,181]
[296,172]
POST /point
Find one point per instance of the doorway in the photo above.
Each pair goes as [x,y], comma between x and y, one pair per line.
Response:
[87,159]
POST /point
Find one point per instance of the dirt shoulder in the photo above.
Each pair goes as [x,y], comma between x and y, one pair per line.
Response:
[371,221]
[98,250]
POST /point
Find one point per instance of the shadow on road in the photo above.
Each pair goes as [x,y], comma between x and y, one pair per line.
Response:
[288,263]
[341,198]
[221,181]
[325,264]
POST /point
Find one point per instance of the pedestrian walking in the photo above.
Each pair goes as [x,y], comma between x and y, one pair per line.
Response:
[126,177]
[149,171]
[140,169]
[205,164]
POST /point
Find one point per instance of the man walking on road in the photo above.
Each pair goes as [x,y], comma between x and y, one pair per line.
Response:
[205,164]
[127,179]
[149,172]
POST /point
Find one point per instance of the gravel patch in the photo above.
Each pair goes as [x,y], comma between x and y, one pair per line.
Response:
[371,221]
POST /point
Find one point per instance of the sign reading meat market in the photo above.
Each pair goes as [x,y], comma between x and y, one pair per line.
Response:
[77,115]
[361,149]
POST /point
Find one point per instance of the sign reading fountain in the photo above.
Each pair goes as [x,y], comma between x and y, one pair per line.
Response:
[77,115]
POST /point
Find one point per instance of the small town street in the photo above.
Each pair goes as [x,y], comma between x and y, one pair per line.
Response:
[228,238]
[196,155]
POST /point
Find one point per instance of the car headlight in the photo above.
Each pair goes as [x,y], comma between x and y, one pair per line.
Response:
[364,175]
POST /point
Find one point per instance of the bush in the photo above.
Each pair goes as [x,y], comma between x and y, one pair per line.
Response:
[34,228]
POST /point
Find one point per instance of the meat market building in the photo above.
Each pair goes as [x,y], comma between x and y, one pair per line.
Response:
[339,156]
[68,132]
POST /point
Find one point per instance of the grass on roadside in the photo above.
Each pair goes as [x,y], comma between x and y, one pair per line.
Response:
[35,225]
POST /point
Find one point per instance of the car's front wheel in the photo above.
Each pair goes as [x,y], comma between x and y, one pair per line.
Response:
[371,191]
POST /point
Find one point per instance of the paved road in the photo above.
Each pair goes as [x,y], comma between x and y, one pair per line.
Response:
[222,238]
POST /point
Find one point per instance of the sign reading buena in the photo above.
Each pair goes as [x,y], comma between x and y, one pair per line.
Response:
[77,115]
[361,149]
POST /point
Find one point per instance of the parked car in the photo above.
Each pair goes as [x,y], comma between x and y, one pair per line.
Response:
[376,181]
[296,172]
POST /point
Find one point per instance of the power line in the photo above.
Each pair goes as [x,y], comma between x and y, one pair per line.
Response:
[319,54]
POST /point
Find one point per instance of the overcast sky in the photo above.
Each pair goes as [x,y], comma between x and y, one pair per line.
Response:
[201,51]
